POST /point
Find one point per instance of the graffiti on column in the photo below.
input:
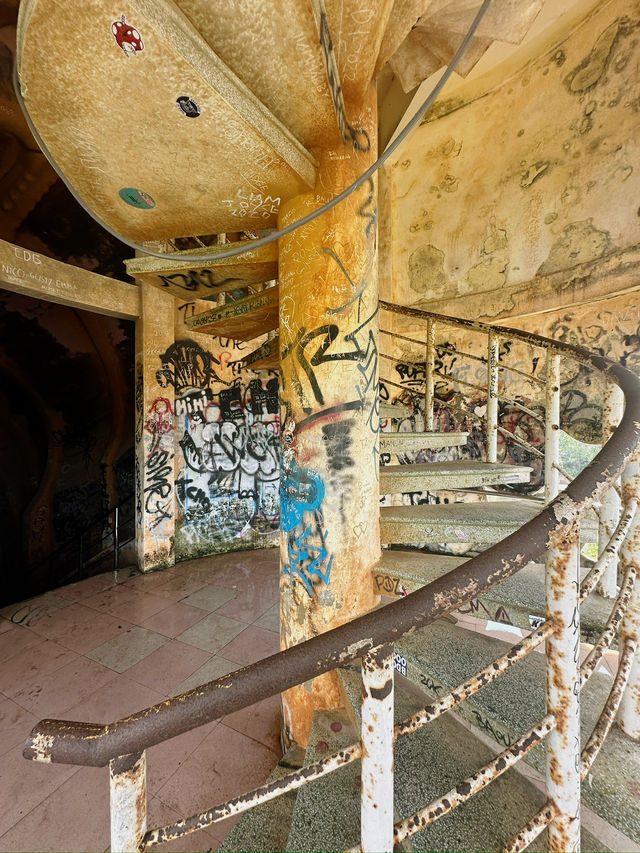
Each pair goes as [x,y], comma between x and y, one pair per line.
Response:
[302,493]
[225,434]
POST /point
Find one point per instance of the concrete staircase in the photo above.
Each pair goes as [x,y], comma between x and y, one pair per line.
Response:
[428,763]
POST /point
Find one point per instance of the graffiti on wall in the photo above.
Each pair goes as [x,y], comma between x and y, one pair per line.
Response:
[224,432]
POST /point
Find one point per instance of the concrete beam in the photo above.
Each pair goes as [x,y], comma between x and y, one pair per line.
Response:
[24,271]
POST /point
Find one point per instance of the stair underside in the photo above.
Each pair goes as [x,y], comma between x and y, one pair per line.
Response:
[518,601]
[443,655]
[187,279]
[168,174]
[407,442]
[475,523]
[242,320]
[265,357]
[457,474]
[393,410]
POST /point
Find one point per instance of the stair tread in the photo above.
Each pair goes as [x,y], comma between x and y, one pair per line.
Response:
[433,760]
[513,601]
[394,410]
[188,278]
[450,474]
[516,700]
[265,827]
[242,320]
[393,442]
[337,794]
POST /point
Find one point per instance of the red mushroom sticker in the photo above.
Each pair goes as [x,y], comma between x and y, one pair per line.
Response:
[127,37]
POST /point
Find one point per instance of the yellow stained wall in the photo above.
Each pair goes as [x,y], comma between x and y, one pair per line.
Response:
[519,194]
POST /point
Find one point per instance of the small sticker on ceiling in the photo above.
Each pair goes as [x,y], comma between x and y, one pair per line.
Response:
[136,198]
[188,106]
[127,37]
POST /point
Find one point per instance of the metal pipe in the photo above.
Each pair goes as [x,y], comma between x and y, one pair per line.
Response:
[552,427]
[511,437]
[610,551]
[629,713]
[376,804]
[128,789]
[539,822]
[430,371]
[472,784]
[610,511]
[563,693]
[493,358]
[605,720]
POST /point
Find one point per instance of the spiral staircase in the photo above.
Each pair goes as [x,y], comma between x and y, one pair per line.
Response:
[178,127]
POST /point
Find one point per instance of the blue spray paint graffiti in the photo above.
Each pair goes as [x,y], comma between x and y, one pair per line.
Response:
[301,494]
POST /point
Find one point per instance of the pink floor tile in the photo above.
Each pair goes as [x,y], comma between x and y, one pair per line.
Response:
[164,759]
[141,607]
[16,640]
[251,603]
[226,764]
[251,645]
[262,722]
[28,613]
[180,586]
[209,597]
[168,666]
[24,784]
[212,632]
[174,619]
[75,817]
[84,589]
[5,625]
[109,600]
[81,628]
[55,693]
[119,698]
[15,724]
[31,664]
[128,648]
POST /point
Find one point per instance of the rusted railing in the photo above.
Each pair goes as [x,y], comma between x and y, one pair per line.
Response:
[554,531]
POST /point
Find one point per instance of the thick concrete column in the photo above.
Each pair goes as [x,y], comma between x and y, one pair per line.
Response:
[155,493]
[329,410]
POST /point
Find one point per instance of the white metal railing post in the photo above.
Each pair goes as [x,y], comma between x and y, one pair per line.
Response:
[552,427]
[609,516]
[493,358]
[430,367]
[376,809]
[128,788]
[563,690]
[629,711]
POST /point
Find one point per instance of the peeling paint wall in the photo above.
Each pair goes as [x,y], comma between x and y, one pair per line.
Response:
[522,195]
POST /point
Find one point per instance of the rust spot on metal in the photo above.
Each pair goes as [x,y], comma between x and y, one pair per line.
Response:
[381,693]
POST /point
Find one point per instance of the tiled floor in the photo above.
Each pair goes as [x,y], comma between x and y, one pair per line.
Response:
[97,651]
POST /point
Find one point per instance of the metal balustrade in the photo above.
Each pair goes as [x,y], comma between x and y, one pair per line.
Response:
[554,532]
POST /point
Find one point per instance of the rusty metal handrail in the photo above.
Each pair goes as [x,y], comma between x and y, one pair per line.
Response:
[89,744]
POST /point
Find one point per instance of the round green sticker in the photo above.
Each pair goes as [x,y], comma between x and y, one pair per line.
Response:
[136,198]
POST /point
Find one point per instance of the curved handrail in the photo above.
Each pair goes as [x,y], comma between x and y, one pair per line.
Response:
[88,744]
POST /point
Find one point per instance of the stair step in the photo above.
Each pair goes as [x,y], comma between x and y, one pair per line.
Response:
[441,656]
[178,188]
[457,474]
[241,320]
[394,410]
[518,601]
[475,523]
[265,357]
[265,827]
[433,760]
[185,278]
[327,811]
[412,442]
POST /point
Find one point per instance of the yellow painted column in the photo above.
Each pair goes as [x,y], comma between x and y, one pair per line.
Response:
[330,534]
[155,486]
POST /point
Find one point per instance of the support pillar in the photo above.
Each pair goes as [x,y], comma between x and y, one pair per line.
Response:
[330,536]
[155,514]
